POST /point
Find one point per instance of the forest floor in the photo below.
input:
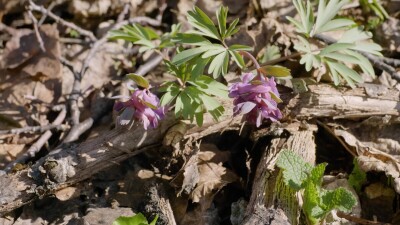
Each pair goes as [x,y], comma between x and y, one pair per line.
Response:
[59,71]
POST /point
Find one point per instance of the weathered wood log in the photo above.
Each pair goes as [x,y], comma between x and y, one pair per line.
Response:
[69,165]
[269,193]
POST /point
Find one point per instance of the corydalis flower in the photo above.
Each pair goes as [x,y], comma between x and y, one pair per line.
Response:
[143,106]
[253,97]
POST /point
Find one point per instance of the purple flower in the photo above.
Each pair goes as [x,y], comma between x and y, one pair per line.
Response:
[252,97]
[143,106]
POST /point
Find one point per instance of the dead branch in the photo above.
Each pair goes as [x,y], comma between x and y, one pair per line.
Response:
[43,10]
[391,61]
[35,148]
[67,166]
[35,129]
[79,128]
[36,28]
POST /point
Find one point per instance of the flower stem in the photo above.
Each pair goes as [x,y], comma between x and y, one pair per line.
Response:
[251,57]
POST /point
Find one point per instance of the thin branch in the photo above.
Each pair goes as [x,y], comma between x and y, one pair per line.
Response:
[35,148]
[87,33]
[391,61]
[376,61]
[78,128]
[36,28]
[35,129]
[359,220]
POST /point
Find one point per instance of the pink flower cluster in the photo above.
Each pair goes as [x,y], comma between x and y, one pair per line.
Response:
[143,106]
[252,97]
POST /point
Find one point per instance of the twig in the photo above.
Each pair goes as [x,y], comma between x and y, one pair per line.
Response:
[36,28]
[35,148]
[87,33]
[359,220]
[392,62]
[35,129]
[78,128]
[8,29]
[376,61]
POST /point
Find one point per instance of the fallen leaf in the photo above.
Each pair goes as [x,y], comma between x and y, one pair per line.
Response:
[212,177]
[379,148]
[67,193]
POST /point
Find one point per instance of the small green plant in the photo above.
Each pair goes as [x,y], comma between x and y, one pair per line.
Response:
[202,55]
[137,219]
[317,202]
[357,177]
[333,56]
[376,14]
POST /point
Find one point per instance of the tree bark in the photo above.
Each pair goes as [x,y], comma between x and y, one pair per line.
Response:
[69,165]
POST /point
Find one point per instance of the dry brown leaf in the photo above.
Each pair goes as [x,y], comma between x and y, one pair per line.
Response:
[379,148]
[67,193]
[212,177]
[268,31]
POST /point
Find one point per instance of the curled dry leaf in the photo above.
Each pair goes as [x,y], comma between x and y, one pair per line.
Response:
[204,173]
[379,148]
[212,177]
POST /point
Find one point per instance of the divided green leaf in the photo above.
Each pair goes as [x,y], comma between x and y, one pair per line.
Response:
[138,219]
[137,34]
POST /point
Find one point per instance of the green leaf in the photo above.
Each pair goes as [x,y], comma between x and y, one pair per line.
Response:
[213,106]
[188,54]
[311,203]
[317,173]
[232,28]
[198,19]
[348,74]
[275,97]
[299,27]
[118,34]
[339,198]
[240,48]
[215,51]
[306,16]
[137,219]
[369,47]
[139,80]
[192,39]
[310,61]
[169,96]
[336,24]
[276,71]
[363,62]
[304,46]
[295,170]
[222,14]
[335,47]
[178,106]
[210,86]
[237,58]
[271,52]
[216,65]
[357,177]
[198,67]
[326,12]
[355,34]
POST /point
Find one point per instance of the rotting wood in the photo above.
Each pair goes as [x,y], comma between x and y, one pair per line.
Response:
[73,164]
[269,193]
